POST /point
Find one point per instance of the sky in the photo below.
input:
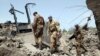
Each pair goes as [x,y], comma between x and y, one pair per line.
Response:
[66,12]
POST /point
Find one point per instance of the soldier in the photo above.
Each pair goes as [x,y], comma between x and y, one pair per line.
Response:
[53,29]
[38,29]
[78,35]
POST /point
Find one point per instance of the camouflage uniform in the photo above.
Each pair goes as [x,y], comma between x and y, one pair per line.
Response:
[53,30]
[38,29]
[79,36]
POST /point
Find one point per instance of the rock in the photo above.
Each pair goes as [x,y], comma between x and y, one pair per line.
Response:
[10,52]
[2,38]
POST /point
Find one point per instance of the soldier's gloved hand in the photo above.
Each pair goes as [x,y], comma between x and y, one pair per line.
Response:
[73,36]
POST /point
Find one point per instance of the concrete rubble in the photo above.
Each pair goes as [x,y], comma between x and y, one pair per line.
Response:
[16,46]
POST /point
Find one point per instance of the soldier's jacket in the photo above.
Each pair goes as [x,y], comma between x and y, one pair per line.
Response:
[38,24]
[94,5]
[53,26]
[79,36]
[39,21]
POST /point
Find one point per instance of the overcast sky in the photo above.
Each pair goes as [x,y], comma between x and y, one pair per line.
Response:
[64,11]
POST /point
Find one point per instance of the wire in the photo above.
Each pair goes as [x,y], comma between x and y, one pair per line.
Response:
[88,19]
[78,17]
[77,6]
[82,20]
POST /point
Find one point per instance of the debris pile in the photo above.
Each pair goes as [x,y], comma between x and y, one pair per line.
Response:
[67,48]
[16,46]
[9,45]
[90,43]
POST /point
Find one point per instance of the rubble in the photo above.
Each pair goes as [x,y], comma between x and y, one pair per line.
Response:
[16,46]
[10,48]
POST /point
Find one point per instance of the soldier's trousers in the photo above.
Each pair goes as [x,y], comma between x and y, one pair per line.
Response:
[53,40]
[38,40]
[38,36]
[78,49]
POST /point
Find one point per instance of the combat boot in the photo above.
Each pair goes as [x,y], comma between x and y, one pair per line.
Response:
[40,46]
[36,45]
[52,50]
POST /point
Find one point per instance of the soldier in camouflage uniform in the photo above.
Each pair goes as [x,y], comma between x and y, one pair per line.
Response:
[38,27]
[79,36]
[53,29]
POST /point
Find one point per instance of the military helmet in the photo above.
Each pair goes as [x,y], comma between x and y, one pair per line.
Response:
[35,13]
[49,17]
[77,26]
